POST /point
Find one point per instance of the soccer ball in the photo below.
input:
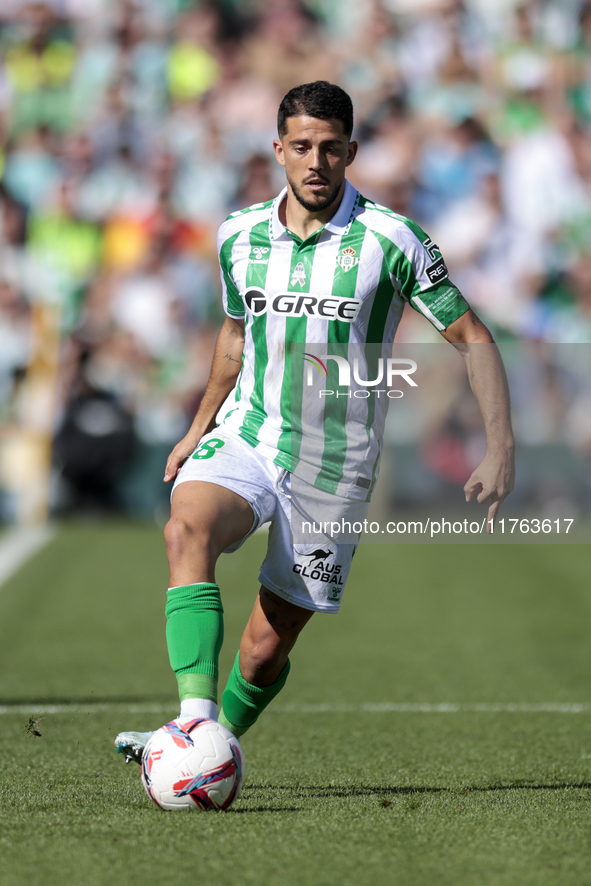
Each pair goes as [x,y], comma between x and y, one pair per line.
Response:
[195,765]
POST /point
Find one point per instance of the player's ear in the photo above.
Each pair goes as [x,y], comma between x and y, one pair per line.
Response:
[351,152]
[278,148]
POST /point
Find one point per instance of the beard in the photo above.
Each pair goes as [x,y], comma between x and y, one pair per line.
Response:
[315,205]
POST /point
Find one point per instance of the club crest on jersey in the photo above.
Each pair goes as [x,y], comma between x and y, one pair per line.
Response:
[259,252]
[299,275]
[348,259]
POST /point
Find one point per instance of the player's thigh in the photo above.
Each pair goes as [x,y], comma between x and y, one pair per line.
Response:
[310,576]
[206,515]
[226,488]
[311,572]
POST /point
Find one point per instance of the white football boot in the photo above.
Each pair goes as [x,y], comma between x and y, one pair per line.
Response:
[132,744]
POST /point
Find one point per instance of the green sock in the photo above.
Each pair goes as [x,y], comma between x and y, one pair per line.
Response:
[194,635]
[242,703]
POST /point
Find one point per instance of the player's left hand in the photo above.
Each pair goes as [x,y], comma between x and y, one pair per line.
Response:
[492,481]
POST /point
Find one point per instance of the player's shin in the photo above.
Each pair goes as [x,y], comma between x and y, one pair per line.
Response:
[242,702]
[194,635]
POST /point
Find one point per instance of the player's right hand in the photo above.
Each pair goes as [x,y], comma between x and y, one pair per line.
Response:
[492,481]
[179,455]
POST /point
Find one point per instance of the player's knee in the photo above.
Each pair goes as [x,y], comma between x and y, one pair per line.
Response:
[183,533]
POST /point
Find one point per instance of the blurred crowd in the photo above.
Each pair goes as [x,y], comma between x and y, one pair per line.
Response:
[129,129]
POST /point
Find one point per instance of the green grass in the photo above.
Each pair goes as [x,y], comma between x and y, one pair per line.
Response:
[416,799]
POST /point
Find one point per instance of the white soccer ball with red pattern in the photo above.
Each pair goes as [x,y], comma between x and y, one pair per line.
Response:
[195,765]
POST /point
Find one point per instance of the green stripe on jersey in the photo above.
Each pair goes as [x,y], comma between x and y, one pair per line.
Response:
[300,273]
[399,265]
[380,309]
[235,305]
[257,276]
[375,335]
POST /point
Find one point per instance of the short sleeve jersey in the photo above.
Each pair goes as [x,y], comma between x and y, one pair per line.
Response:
[346,284]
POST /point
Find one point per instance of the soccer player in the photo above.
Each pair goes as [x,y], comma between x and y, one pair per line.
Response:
[319,264]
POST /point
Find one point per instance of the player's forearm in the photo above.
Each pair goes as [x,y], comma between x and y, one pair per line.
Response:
[488,381]
[225,368]
[487,378]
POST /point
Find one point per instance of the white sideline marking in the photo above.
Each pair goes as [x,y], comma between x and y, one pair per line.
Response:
[447,708]
[377,708]
[18,545]
[89,708]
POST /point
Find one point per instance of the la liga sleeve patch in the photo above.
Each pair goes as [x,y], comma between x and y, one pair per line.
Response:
[442,305]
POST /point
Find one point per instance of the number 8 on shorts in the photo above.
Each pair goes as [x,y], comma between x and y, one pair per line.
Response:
[208,449]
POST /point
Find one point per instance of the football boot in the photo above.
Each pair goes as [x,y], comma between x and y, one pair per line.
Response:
[132,744]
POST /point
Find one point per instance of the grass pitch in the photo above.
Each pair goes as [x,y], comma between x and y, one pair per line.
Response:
[495,789]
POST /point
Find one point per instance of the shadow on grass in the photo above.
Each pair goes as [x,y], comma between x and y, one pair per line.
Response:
[272,809]
[384,791]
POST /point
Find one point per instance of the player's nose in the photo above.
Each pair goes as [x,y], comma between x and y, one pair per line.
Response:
[315,159]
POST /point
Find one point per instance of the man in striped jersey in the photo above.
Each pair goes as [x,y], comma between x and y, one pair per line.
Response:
[322,266]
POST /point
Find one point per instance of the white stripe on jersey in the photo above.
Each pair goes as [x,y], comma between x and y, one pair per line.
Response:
[363,448]
[322,280]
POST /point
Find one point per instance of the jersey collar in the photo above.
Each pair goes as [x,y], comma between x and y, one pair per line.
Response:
[339,223]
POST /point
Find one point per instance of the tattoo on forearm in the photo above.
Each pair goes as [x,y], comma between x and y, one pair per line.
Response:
[231,358]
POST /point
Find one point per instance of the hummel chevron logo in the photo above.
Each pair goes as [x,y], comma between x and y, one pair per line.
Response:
[259,252]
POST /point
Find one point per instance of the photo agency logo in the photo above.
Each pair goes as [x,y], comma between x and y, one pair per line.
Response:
[388,371]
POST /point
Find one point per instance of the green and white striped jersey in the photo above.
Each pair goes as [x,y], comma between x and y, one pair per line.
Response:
[347,284]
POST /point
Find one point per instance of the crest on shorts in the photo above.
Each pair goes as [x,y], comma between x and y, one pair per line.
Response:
[348,258]
[299,275]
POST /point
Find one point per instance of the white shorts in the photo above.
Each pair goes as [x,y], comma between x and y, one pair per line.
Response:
[312,576]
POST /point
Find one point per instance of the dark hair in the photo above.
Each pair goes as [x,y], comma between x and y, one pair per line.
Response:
[319,99]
